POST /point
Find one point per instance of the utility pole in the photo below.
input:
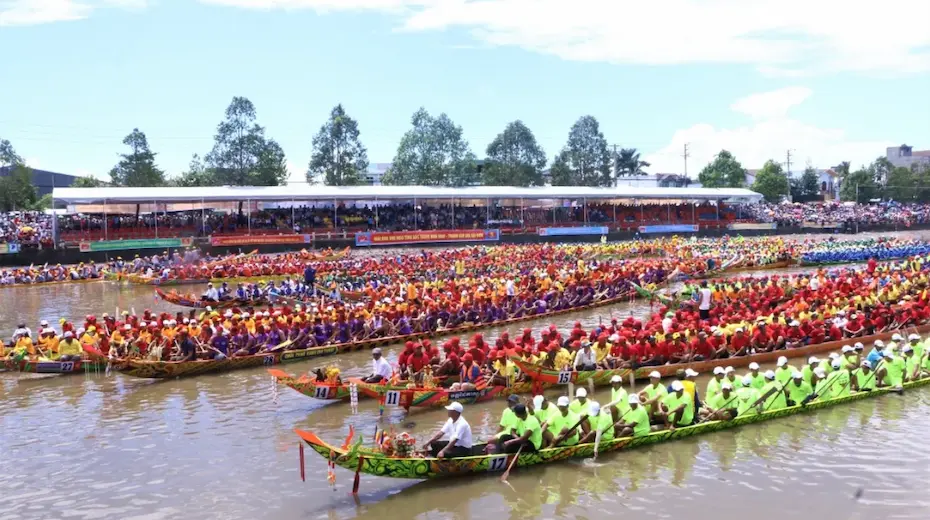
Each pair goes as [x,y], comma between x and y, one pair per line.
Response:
[788,163]
[686,155]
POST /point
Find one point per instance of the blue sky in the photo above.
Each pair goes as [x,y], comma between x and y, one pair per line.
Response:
[78,75]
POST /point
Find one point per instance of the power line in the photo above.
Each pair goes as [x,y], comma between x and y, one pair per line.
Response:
[686,155]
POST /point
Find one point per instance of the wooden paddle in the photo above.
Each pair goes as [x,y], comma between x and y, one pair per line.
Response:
[512,462]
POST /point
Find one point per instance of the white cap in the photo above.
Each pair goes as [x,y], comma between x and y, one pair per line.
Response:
[782,361]
[538,401]
[80,331]
[633,399]
[858,346]
[677,386]
[820,372]
[879,343]
[795,323]
[729,370]
[754,366]
[655,374]
[594,408]
[563,401]
[747,380]
[907,348]
[797,375]
[376,351]
[455,407]
[44,323]
[896,337]
[834,355]
[245,314]
[914,337]
[836,363]
[726,386]
[719,370]
[769,374]
[846,348]
[740,329]
[887,353]
[227,314]
[614,338]
[813,359]
[68,335]
[718,332]
[690,373]
[866,363]
[581,392]
[616,379]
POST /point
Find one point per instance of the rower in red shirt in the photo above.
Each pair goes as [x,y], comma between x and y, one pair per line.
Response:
[794,336]
[701,348]
[739,343]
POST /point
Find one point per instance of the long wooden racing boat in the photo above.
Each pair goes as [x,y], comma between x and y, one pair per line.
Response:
[55,282]
[781,264]
[373,462]
[54,367]
[602,377]
[184,301]
[171,369]
[396,395]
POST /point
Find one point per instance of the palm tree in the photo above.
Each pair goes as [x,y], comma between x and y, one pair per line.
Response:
[627,163]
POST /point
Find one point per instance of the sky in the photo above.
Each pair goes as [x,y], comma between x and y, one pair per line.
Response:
[828,81]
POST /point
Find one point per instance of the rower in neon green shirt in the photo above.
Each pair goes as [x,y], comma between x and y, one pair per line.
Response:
[808,370]
[563,422]
[747,398]
[864,377]
[654,391]
[637,420]
[579,406]
[543,409]
[619,395]
[839,379]
[678,402]
[798,389]
[783,372]
[917,345]
[713,386]
[528,429]
[911,368]
[720,406]
[601,420]
[757,381]
[773,393]
[509,421]
[731,378]
[893,369]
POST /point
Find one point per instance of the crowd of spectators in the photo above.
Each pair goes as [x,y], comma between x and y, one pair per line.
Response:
[26,228]
[843,213]
[32,229]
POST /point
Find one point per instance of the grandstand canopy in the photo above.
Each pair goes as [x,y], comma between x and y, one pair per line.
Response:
[312,193]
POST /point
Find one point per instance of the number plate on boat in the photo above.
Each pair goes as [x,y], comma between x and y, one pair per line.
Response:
[565,377]
[392,398]
[498,463]
[321,392]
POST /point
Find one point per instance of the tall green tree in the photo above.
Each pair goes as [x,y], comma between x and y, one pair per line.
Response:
[560,173]
[17,192]
[8,156]
[586,154]
[771,182]
[902,185]
[859,186]
[627,163]
[137,168]
[432,153]
[514,158]
[241,154]
[810,182]
[87,182]
[196,175]
[338,157]
[723,172]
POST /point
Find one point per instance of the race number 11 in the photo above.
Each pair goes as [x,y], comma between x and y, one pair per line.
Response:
[392,398]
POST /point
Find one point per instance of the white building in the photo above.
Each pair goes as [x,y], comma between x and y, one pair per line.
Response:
[905,155]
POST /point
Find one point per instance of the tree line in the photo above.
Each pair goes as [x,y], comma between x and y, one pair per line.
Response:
[434,152]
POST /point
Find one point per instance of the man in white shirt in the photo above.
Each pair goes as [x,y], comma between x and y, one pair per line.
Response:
[211,294]
[585,359]
[459,432]
[705,301]
[381,369]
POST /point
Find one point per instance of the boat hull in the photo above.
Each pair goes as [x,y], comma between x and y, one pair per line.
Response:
[374,463]
[182,301]
[54,367]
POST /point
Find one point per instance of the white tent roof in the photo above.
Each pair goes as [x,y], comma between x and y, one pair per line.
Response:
[326,193]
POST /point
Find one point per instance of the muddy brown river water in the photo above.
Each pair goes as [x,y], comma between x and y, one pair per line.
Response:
[221,446]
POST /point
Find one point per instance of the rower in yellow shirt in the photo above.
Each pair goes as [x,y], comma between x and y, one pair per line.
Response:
[69,349]
[48,342]
[24,346]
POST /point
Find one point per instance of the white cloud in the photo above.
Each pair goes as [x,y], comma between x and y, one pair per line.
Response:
[770,136]
[36,12]
[33,163]
[775,103]
[789,38]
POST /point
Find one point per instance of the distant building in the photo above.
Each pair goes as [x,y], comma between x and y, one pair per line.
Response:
[906,156]
[659,180]
[43,180]
[375,172]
